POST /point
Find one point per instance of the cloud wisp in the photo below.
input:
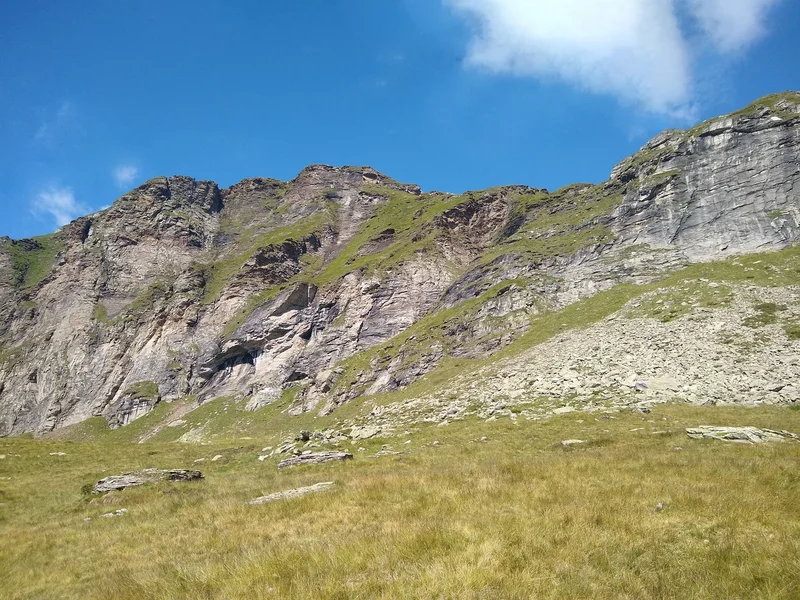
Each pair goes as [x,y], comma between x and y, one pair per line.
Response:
[732,25]
[635,50]
[60,204]
[125,175]
[55,126]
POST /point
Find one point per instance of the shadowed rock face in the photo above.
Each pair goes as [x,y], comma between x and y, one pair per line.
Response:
[345,282]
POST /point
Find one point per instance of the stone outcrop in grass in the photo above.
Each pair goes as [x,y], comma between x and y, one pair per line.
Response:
[126,480]
[742,435]
[295,493]
[314,458]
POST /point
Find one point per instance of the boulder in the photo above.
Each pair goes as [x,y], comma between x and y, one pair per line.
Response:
[385,452]
[317,457]
[364,433]
[120,482]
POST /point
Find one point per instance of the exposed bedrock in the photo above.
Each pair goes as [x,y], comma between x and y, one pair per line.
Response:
[344,282]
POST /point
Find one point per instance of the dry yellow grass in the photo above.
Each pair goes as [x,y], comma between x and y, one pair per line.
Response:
[517,516]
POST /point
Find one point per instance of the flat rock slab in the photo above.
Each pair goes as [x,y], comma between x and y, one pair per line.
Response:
[316,457]
[364,433]
[295,493]
[742,435]
[382,453]
[120,482]
[568,443]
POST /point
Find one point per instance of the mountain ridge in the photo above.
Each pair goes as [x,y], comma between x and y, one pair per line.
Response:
[309,292]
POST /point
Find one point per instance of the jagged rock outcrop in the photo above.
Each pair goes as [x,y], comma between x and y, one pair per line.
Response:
[344,282]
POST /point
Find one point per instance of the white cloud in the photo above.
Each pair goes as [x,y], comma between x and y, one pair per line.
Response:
[732,25]
[125,175]
[60,204]
[632,49]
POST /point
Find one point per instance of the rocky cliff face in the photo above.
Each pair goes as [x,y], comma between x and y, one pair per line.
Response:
[345,282]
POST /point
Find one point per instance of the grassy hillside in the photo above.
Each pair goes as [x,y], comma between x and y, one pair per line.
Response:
[516,515]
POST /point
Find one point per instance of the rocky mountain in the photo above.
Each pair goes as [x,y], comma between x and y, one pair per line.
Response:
[343,283]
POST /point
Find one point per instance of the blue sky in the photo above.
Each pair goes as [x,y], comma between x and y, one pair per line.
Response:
[98,96]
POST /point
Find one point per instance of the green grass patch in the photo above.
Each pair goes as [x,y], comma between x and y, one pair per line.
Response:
[767,315]
[144,304]
[667,304]
[402,213]
[659,178]
[100,313]
[96,429]
[33,259]
[559,224]
[9,356]
[219,273]
[792,330]
[143,389]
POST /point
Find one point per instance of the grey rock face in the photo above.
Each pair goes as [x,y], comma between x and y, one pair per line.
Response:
[268,289]
[729,187]
[120,482]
